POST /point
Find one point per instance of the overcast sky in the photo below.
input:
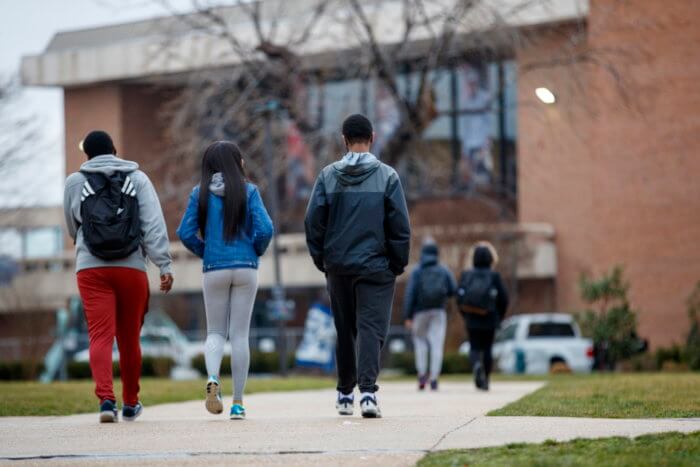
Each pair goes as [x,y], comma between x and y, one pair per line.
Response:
[26,27]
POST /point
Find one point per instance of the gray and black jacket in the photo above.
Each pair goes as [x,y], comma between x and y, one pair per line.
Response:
[357,221]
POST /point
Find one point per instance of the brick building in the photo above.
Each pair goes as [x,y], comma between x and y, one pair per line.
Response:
[607,175]
[617,174]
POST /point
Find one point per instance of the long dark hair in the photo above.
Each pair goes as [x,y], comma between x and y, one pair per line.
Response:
[224,157]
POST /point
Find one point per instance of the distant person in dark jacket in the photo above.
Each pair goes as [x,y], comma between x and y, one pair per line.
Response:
[425,312]
[483,302]
[358,233]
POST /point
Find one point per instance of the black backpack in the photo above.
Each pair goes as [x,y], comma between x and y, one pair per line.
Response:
[476,293]
[432,287]
[110,215]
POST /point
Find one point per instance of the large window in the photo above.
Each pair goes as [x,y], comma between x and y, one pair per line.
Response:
[470,143]
[550,330]
[40,242]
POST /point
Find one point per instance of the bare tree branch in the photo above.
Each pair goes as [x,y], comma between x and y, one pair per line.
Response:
[426,35]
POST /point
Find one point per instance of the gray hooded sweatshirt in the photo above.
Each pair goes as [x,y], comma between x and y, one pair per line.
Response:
[154,234]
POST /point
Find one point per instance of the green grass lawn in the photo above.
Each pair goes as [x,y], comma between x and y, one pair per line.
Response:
[32,398]
[634,395]
[667,449]
[627,395]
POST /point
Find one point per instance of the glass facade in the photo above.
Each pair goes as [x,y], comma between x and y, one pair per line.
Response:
[31,243]
[470,144]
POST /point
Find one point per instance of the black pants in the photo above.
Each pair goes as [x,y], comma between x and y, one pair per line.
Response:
[480,343]
[361,310]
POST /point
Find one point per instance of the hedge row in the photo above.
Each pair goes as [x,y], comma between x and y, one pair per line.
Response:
[30,370]
[260,362]
[158,367]
[20,370]
[673,358]
[452,363]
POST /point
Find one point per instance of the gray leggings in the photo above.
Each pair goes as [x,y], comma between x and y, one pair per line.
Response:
[429,329]
[229,295]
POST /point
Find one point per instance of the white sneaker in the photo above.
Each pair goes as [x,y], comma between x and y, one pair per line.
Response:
[213,402]
[345,404]
[369,406]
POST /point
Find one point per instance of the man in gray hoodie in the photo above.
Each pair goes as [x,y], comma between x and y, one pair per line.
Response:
[358,233]
[115,291]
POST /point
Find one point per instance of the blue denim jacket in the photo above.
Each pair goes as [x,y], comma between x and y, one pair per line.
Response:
[217,253]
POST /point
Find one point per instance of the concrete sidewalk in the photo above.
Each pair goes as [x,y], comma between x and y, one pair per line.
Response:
[300,428]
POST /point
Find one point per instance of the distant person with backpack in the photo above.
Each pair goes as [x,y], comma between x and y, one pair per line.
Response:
[358,234]
[113,214]
[483,302]
[226,224]
[425,312]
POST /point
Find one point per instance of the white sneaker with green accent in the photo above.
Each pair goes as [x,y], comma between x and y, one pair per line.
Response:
[213,402]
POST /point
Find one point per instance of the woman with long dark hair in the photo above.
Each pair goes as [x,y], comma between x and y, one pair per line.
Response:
[226,225]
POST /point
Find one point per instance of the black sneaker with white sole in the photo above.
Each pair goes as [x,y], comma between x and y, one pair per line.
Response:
[108,411]
[131,412]
[370,407]
[345,405]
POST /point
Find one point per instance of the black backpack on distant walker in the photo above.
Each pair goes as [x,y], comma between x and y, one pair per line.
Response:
[109,209]
[432,287]
[476,293]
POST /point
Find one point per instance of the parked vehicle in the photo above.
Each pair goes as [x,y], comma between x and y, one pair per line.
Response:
[156,342]
[160,337]
[540,343]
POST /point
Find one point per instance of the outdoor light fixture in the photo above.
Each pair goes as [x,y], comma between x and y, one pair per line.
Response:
[545,95]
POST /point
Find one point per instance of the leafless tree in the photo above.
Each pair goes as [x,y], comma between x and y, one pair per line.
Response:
[271,65]
[20,138]
[233,102]
[272,54]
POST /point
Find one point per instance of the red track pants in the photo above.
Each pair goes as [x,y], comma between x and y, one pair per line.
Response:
[115,301]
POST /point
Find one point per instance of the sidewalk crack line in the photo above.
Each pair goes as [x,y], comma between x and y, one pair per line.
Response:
[442,438]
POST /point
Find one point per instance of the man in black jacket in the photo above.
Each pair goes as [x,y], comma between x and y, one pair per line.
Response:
[358,233]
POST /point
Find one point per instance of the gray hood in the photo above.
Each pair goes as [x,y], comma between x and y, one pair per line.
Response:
[108,164]
[355,167]
[216,185]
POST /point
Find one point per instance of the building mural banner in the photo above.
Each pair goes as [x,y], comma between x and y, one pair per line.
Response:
[299,176]
[387,117]
[317,347]
[475,125]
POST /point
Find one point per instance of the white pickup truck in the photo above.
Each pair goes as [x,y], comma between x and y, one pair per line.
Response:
[540,343]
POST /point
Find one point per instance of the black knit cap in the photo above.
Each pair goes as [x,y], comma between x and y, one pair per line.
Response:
[98,143]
